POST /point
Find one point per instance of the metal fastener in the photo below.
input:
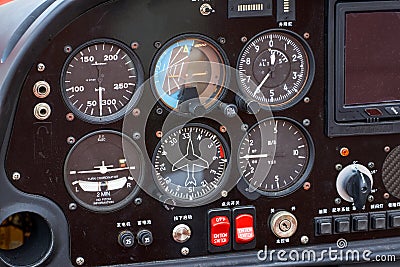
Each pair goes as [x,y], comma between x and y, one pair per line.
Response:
[71,140]
[387,149]
[16,176]
[339,167]
[306,122]
[67,49]
[41,67]
[338,201]
[138,201]
[136,136]
[304,239]
[371,165]
[72,206]
[135,45]
[224,193]
[80,261]
[157,44]
[371,198]
[243,39]
[307,100]
[244,127]
[222,40]
[185,251]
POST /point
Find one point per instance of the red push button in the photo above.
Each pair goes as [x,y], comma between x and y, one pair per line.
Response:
[220,228]
[244,228]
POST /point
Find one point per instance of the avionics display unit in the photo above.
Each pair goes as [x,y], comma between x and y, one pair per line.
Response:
[363,68]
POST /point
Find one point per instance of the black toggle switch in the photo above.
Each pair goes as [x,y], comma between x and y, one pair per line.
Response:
[359,187]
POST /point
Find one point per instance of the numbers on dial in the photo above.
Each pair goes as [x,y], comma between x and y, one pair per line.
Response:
[190,164]
[99,81]
[275,69]
[275,156]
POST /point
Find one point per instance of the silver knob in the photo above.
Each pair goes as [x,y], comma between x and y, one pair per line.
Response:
[181,233]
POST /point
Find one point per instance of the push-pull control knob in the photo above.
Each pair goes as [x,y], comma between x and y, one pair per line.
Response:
[354,184]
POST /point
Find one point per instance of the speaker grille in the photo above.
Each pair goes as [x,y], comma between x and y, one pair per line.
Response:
[391,172]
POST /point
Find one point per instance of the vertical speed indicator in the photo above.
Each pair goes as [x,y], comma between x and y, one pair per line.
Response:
[276,69]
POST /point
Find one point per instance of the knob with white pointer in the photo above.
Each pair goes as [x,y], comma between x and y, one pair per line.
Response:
[354,184]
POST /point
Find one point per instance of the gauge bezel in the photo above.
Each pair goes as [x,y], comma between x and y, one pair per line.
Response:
[131,103]
[307,85]
[138,180]
[182,37]
[307,170]
[211,195]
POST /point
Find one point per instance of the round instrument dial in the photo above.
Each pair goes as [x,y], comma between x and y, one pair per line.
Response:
[276,69]
[190,164]
[99,175]
[189,70]
[100,79]
[276,156]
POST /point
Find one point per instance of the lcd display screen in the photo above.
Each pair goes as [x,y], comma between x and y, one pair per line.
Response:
[372,58]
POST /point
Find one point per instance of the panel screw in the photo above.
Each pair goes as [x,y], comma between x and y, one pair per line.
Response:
[387,149]
[244,127]
[138,201]
[67,49]
[243,39]
[371,198]
[80,261]
[306,122]
[159,134]
[136,112]
[307,100]
[304,239]
[70,117]
[16,176]
[185,251]
[307,186]
[157,44]
[338,201]
[386,195]
[159,111]
[224,193]
[72,206]
[136,136]
[371,165]
[306,35]
[41,67]
[222,40]
[135,45]
[71,140]
[223,129]
[338,167]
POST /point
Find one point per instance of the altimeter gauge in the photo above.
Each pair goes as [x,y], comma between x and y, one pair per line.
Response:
[99,175]
[190,164]
[276,69]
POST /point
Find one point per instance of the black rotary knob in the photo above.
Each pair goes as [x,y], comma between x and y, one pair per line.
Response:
[126,239]
[145,237]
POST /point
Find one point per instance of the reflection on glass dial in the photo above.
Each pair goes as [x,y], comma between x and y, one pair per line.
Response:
[274,69]
[99,81]
[190,163]
[189,67]
[99,175]
[275,156]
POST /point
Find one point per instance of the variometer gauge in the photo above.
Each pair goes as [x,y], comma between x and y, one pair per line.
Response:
[190,164]
[276,156]
[99,174]
[276,69]
[100,79]
[189,74]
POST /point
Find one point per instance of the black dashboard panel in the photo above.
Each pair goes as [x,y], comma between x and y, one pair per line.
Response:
[137,203]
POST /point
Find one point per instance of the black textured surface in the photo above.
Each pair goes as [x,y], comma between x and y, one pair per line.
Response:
[391,172]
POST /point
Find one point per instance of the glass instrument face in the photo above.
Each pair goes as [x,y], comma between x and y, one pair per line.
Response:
[99,81]
[190,163]
[107,177]
[189,67]
[279,173]
[274,69]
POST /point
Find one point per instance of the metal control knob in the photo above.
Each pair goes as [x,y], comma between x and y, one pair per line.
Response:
[126,239]
[144,237]
[249,106]
[181,233]
[354,184]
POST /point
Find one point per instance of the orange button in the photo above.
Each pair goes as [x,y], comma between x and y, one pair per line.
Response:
[220,228]
[244,228]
